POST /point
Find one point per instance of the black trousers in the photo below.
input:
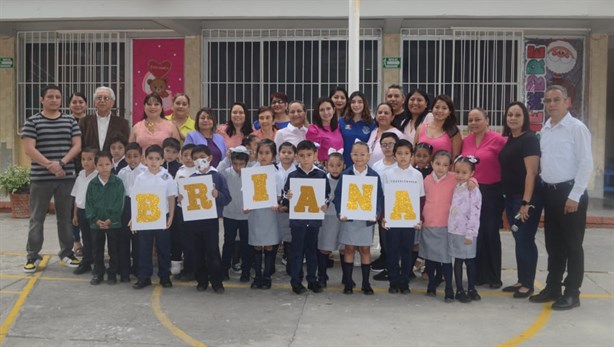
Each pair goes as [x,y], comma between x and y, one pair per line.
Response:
[207,259]
[564,236]
[128,245]
[99,237]
[488,255]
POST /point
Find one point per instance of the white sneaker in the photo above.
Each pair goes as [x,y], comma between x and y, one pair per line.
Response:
[71,261]
[176,267]
[357,260]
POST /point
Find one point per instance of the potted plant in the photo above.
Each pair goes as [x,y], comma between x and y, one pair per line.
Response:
[15,181]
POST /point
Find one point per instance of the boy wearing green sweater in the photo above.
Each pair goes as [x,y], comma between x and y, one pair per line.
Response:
[103,207]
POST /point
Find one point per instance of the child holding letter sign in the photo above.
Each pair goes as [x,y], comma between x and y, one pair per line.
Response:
[305,232]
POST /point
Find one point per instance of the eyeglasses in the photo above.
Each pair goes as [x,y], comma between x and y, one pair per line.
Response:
[387,144]
[277,102]
[103,98]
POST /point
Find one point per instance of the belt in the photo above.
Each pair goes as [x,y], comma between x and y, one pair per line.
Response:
[555,186]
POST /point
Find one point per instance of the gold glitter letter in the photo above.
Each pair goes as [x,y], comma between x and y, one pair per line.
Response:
[197,197]
[260,193]
[148,208]
[402,206]
[357,198]
[307,199]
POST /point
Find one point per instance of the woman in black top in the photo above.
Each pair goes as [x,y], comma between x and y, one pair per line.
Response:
[519,160]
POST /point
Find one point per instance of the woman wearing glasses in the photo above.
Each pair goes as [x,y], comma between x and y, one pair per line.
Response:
[383,115]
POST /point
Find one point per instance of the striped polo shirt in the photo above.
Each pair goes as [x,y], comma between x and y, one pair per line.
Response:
[53,140]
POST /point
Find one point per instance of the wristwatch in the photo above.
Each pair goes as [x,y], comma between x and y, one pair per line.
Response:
[524,203]
[62,164]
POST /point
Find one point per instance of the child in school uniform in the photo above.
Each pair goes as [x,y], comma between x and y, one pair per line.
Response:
[156,176]
[206,232]
[328,238]
[79,190]
[264,233]
[387,142]
[182,251]
[171,147]
[399,241]
[305,232]
[117,148]
[422,163]
[128,242]
[104,206]
[358,234]
[235,220]
[287,155]
[463,225]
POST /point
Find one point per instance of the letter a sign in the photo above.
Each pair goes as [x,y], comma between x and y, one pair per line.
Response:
[308,195]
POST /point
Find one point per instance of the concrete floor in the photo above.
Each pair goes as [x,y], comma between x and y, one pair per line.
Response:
[55,307]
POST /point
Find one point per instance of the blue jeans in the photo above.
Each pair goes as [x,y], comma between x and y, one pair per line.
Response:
[231,226]
[526,250]
[399,244]
[304,244]
[163,247]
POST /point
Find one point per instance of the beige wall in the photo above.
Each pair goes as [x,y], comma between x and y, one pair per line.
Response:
[8,130]
[391,47]
[192,72]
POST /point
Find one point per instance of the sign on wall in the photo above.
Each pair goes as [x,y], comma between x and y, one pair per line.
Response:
[157,67]
[551,61]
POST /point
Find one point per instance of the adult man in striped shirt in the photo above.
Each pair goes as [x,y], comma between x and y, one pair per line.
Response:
[51,139]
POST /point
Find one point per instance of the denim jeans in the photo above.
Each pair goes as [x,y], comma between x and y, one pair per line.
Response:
[526,250]
[399,244]
[304,244]
[40,196]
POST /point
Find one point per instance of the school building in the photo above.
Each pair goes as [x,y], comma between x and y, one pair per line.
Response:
[481,52]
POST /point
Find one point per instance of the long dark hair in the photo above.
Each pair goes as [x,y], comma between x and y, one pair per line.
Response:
[317,119]
[246,129]
[525,118]
[347,101]
[366,112]
[450,124]
[422,115]
[158,98]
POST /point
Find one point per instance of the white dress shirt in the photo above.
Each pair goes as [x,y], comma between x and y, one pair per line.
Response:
[103,127]
[290,134]
[566,154]
[79,189]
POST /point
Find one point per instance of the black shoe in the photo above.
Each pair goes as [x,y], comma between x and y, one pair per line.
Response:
[412,275]
[218,288]
[266,284]
[382,276]
[520,295]
[112,280]
[257,283]
[367,290]
[201,287]
[546,295]
[511,289]
[404,289]
[140,284]
[495,285]
[166,282]
[566,302]
[348,290]
[299,289]
[244,277]
[314,287]
[96,280]
[474,296]
[378,265]
[449,296]
[431,292]
[83,268]
[323,283]
[462,296]
[393,288]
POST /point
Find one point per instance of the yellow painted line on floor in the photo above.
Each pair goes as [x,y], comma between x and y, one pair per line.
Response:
[163,318]
[596,296]
[12,316]
[65,279]
[5,291]
[532,330]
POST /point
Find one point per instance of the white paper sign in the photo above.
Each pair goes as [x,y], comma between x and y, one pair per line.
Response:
[147,207]
[308,195]
[359,197]
[259,187]
[197,203]
[402,205]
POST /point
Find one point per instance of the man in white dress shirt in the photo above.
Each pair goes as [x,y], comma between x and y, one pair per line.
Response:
[566,168]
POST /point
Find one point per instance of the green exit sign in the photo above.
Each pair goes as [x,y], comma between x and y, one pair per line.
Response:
[6,62]
[392,62]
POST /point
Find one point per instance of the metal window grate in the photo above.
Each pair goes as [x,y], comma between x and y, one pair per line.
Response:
[477,68]
[76,61]
[248,65]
